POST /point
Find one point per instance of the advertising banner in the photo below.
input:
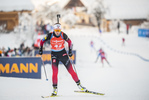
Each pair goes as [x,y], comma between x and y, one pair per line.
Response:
[22,67]
[143,32]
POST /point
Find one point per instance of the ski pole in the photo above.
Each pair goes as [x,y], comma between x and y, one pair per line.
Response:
[73,65]
[96,59]
[44,69]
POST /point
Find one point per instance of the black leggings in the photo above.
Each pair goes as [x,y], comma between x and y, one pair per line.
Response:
[63,57]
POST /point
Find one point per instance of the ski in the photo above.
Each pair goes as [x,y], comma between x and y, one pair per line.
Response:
[50,96]
[90,92]
[45,96]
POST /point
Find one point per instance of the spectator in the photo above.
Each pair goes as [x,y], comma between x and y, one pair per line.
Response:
[118,27]
[22,45]
[48,28]
[44,29]
[127,28]
[1,53]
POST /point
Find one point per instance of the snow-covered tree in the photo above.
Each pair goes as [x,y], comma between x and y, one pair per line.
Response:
[25,23]
[69,18]
[98,10]
[48,12]
[145,25]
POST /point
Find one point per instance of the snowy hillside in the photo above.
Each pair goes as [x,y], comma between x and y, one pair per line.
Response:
[127,79]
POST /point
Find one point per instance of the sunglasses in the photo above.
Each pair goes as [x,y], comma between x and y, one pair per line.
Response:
[57,30]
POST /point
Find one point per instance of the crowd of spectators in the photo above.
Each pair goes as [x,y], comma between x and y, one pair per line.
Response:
[22,51]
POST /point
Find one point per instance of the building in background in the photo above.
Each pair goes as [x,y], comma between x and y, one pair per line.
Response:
[10,10]
[132,13]
[79,10]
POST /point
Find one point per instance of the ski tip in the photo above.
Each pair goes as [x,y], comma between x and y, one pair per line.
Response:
[44,97]
[50,96]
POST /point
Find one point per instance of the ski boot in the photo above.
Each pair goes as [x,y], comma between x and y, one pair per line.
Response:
[54,91]
[81,87]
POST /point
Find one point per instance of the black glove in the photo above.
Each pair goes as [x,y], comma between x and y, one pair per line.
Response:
[40,51]
[70,53]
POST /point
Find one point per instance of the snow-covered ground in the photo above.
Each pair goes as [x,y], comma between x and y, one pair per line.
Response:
[127,79]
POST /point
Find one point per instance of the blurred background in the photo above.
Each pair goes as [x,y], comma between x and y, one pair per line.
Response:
[29,18]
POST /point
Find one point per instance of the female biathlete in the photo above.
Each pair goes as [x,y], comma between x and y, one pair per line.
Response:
[58,53]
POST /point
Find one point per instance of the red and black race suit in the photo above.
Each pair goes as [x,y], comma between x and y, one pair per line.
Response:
[58,55]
